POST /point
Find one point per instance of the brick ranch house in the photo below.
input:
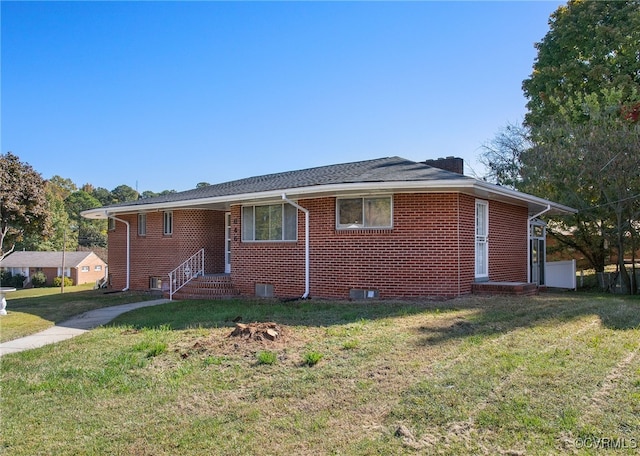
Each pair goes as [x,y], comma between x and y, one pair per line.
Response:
[388,228]
[81,267]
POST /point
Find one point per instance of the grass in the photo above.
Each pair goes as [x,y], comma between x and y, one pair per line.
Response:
[36,309]
[553,374]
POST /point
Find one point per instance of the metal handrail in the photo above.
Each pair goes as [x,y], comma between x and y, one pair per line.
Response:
[190,269]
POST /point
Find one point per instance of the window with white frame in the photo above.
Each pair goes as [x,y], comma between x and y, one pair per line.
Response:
[98,267]
[273,222]
[142,224]
[85,269]
[167,223]
[369,212]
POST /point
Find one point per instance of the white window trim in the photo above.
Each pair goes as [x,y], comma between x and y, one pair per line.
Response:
[481,241]
[142,223]
[167,225]
[253,206]
[362,227]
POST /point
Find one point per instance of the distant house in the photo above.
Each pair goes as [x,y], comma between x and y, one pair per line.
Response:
[81,267]
[388,228]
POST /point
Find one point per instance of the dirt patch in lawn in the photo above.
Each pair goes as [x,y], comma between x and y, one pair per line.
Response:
[245,340]
[260,332]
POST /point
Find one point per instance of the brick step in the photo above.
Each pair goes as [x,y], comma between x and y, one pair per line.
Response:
[208,287]
[505,288]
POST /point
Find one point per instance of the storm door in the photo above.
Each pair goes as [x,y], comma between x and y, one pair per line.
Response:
[482,240]
[227,242]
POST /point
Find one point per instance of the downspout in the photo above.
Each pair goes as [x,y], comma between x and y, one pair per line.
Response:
[529,220]
[306,243]
[128,247]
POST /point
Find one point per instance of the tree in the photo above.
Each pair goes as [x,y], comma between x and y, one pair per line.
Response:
[90,232]
[61,187]
[502,156]
[23,203]
[59,222]
[583,107]
[124,193]
[590,46]
[604,154]
[103,195]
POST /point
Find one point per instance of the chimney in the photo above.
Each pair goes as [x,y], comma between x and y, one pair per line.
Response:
[452,164]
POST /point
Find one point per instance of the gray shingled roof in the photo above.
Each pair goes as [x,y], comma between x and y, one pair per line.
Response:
[390,169]
[44,259]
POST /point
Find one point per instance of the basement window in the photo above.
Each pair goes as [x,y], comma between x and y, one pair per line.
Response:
[359,213]
[155,283]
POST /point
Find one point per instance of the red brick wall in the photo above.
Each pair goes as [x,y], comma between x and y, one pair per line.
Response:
[155,254]
[51,273]
[429,252]
[507,242]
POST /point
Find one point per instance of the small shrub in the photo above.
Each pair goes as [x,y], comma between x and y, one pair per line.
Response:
[312,358]
[213,360]
[38,279]
[350,344]
[9,280]
[57,281]
[267,357]
[156,349]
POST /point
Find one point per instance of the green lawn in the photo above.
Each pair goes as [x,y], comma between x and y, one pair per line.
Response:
[554,374]
[36,309]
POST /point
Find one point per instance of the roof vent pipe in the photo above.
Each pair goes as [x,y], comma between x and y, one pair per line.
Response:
[306,243]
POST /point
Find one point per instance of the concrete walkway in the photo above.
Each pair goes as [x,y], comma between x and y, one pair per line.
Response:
[73,327]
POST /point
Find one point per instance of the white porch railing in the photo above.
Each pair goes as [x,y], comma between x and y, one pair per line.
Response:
[186,272]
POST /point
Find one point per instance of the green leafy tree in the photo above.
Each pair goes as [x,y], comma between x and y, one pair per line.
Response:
[590,46]
[23,203]
[89,232]
[593,166]
[103,195]
[61,187]
[581,146]
[124,193]
[59,222]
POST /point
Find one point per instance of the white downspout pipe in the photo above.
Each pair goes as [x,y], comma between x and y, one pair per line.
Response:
[128,247]
[306,243]
[529,220]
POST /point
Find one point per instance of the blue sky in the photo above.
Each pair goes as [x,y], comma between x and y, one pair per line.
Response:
[164,95]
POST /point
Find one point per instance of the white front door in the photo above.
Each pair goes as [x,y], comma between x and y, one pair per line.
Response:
[482,240]
[227,242]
